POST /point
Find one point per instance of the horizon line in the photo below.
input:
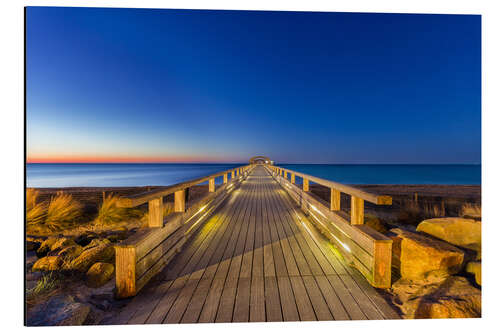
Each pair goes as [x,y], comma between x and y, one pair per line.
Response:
[240,162]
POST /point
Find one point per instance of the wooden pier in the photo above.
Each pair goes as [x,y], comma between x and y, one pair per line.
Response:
[256,248]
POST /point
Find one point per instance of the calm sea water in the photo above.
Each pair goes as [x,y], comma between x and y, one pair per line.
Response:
[66,175]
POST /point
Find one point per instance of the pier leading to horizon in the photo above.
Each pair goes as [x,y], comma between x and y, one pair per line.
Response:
[256,248]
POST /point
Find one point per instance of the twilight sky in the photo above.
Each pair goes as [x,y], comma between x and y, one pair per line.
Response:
[141,85]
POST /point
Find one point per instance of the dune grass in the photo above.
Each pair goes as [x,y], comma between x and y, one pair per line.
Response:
[470,210]
[45,287]
[412,212]
[36,213]
[110,212]
[63,212]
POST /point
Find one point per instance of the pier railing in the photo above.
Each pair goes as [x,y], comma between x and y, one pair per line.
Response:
[367,249]
[147,252]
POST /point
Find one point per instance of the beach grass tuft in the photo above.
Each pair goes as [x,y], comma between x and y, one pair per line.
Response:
[63,212]
[412,212]
[110,211]
[36,213]
[471,210]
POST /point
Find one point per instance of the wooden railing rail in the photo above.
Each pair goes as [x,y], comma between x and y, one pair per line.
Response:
[367,249]
[147,252]
[155,198]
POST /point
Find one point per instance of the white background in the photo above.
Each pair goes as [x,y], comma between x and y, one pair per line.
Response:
[12,163]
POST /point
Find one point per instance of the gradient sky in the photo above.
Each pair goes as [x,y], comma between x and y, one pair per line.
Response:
[134,85]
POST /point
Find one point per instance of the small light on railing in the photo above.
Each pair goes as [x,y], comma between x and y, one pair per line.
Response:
[317,210]
[187,232]
[329,232]
[199,211]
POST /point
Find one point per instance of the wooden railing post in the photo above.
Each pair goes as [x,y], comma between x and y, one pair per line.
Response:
[211,185]
[292,178]
[357,210]
[334,199]
[232,175]
[155,215]
[225,178]
[382,261]
[305,185]
[285,176]
[180,201]
[125,261]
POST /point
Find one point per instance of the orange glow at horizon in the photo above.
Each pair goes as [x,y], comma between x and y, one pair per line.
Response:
[126,159]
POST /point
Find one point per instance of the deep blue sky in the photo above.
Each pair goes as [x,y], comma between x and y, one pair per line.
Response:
[184,85]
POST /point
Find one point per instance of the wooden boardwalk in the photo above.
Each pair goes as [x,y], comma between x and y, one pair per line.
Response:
[257,258]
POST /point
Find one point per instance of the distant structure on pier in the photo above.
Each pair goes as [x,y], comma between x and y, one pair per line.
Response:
[261,160]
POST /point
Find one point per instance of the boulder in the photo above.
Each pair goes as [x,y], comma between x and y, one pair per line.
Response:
[61,243]
[48,263]
[97,250]
[417,256]
[99,274]
[474,267]
[454,230]
[68,254]
[58,311]
[46,246]
[452,297]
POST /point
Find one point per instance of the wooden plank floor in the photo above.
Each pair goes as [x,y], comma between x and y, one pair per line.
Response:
[258,258]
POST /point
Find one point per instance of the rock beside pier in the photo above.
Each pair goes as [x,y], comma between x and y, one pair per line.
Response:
[58,311]
[418,257]
[99,274]
[474,267]
[461,232]
[97,250]
[48,263]
[451,297]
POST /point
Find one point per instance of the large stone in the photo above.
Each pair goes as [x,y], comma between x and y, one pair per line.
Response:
[417,256]
[99,274]
[474,267]
[61,243]
[48,263]
[97,250]
[58,311]
[68,254]
[454,230]
[46,246]
[452,297]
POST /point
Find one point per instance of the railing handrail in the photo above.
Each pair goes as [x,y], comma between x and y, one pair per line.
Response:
[370,197]
[141,198]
